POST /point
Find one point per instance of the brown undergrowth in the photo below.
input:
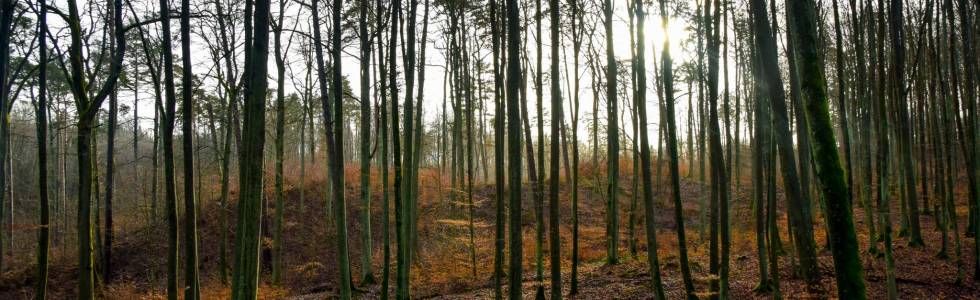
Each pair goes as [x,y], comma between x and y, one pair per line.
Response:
[443,266]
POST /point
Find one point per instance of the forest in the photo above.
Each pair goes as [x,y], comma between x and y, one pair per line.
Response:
[489,149]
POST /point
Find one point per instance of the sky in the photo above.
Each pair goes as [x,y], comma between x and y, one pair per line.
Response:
[678,30]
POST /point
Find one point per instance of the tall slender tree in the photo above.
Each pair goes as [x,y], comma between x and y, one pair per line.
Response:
[612,131]
[843,240]
[333,116]
[280,110]
[229,126]
[245,275]
[771,80]
[109,185]
[904,131]
[41,108]
[383,133]
[6,23]
[672,152]
[169,177]
[538,177]
[364,132]
[719,173]
[498,153]
[554,238]
[577,35]
[645,162]
[88,108]
[192,289]
[514,79]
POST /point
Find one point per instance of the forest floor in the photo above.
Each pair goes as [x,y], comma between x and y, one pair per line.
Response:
[444,268]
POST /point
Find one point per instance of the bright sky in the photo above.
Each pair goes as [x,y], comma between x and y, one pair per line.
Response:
[433,90]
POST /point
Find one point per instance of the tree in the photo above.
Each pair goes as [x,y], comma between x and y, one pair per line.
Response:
[367,274]
[842,100]
[556,116]
[333,116]
[109,185]
[467,78]
[881,114]
[850,278]
[760,171]
[279,143]
[6,25]
[514,79]
[719,182]
[641,106]
[536,171]
[863,93]
[902,119]
[498,155]
[383,133]
[577,34]
[973,127]
[229,125]
[41,107]
[408,199]
[770,76]
[170,193]
[612,189]
[192,289]
[402,256]
[245,274]
[419,130]
[672,152]
[88,107]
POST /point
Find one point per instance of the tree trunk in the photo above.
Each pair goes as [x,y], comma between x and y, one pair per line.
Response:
[554,238]
[248,233]
[43,234]
[6,22]
[577,35]
[651,230]
[672,152]
[847,262]
[498,155]
[801,223]
[109,186]
[514,79]
[192,290]
[280,110]
[612,132]
[367,273]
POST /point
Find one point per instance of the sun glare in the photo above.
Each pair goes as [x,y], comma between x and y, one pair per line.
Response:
[655,36]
